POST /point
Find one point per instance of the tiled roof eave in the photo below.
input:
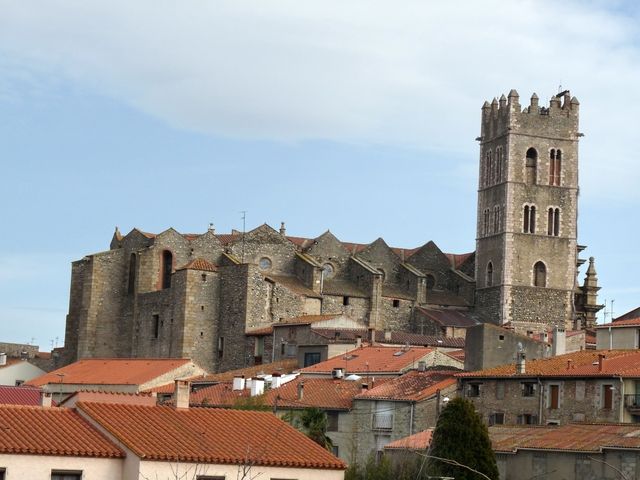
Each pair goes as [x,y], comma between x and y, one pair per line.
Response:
[248,461]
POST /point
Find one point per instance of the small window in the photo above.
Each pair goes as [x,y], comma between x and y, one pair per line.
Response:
[156,326]
[501,337]
[291,349]
[607,397]
[264,263]
[220,347]
[528,389]
[345,301]
[204,277]
[527,419]
[500,391]
[19,382]
[473,390]
[496,418]
[531,166]
[489,274]
[539,275]
[66,475]
[555,166]
[332,421]
[335,450]
[431,282]
[554,397]
[167,267]
[311,358]
[396,303]
[131,285]
[327,270]
[2,472]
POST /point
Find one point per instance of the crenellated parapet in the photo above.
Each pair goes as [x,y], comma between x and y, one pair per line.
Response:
[506,114]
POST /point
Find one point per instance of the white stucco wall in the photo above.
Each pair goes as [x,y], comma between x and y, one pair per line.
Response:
[19,371]
[167,471]
[39,467]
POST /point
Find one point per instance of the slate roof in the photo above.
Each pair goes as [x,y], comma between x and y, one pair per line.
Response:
[51,431]
[372,360]
[582,437]
[111,371]
[417,441]
[413,386]
[210,435]
[585,363]
[448,318]
[23,395]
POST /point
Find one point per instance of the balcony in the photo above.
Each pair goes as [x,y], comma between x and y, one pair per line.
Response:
[632,404]
[382,421]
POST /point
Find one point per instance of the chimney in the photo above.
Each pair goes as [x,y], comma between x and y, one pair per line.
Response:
[358,341]
[276,380]
[181,394]
[283,230]
[45,399]
[247,384]
[559,346]
[521,363]
[257,387]
[422,366]
[601,361]
[569,364]
[301,390]
[387,335]
[238,383]
[3,358]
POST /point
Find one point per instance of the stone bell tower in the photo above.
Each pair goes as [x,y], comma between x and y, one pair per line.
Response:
[526,248]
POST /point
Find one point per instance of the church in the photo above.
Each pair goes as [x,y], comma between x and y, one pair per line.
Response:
[201,296]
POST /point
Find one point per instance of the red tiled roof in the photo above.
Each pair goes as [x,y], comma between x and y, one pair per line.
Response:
[458,259]
[51,431]
[621,323]
[413,386]
[372,360]
[111,371]
[199,264]
[585,363]
[210,435]
[635,313]
[219,395]
[323,393]
[582,437]
[111,397]
[307,319]
[23,395]
[283,366]
[457,354]
[417,441]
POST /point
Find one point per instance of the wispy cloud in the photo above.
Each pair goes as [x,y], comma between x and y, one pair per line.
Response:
[409,74]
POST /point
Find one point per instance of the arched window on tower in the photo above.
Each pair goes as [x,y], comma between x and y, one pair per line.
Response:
[131,284]
[555,166]
[489,274]
[539,275]
[167,266]
[531,163]
[496,219]
[529,219]
[489,172]
[485,220]
[553,222]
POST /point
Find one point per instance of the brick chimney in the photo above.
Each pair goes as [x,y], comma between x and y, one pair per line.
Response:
[181,394]
[300,390]
[601,361]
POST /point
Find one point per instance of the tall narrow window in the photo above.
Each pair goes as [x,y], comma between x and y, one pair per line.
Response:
[539,275]
[496,219]
[525,217]
[529,219]
[485,226]
[131,285]
[489,274]
[607,397]
[167,265]
[552,166]
[489,168]
[531,163]
[156,326]
[553,222]
[558,167]
[499,158]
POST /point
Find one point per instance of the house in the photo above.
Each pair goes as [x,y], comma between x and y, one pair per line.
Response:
[16,371]
[115,375]
[399,408]
[165,442]
[381,361]
[570,452]
[623,332]
[584,386]
[55,444]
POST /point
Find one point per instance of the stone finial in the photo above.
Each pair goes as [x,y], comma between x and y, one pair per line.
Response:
[485,105]
[494,104]
[514,94]
[591,277]
[503,100]
[574,101]
[534,100]
[283,230]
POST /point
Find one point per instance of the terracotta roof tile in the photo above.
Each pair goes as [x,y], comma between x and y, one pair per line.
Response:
[283,366]
[219,395]
[621,323]
[111,371]
[111,397]
[372,360]
[457,354]
[417,441]
[307,319]
[585,363]
[203,435]
[51,431]
[581,437]
[23,395]
[413,386]
[323,393]
[199,264]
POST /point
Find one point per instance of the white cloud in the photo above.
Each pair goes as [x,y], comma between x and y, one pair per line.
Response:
[409,73]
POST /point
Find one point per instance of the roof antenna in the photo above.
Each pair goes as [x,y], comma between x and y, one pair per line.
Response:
[244,228]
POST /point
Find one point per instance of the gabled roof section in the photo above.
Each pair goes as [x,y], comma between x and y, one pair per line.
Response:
[635,313]
[428,256]
[51,431]
[111,371]
[219,395]
[21,395]
[583,437]
[627,322]
[449,318]
[293,284]
[413,386]
[379,249]
[328,242]
[412,269]
[323,393]
[308,259]
[417,441]
[202,435]
[366,265]
[199,264]
[372,360]
[267,234]
[171,234]
[341,287]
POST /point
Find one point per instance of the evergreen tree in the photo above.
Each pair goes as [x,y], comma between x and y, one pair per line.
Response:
[461,436]
[313,422]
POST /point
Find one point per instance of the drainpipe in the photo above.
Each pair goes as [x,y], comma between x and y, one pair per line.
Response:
[541,400]
[621,414]
[411,419]
[273,346]
[610,339]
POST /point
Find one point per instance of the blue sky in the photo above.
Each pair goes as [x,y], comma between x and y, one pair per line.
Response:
[358,117]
